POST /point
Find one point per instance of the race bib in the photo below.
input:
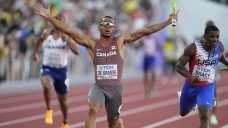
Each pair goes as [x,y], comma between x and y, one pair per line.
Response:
[204,73]
[52,59]
[105,72]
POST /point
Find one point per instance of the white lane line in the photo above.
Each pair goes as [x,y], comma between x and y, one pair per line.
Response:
[145,108]
[41,116]
[21,98]
[169,120]
[78,98]
[18,99]
[136,110]
[30,97]
[84,108]
[40,104]
[178,117]
[128,99]
[226,126]
[24,97]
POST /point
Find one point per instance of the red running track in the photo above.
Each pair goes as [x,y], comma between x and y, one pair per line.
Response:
[161,110]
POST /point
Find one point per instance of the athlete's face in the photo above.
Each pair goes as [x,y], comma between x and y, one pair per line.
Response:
[60,17]
[212,38]
[107,27]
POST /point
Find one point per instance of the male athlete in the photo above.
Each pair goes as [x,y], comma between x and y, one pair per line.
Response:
[107,54]
[149,62]
[203,57]
[55,47]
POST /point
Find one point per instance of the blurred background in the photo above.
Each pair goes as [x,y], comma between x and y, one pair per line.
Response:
[20,28]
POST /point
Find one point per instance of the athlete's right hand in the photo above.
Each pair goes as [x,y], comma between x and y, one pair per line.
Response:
[36,58]
[41,10]
[194,79]
[173,16]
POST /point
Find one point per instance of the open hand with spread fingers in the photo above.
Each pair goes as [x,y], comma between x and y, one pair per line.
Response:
[41,10]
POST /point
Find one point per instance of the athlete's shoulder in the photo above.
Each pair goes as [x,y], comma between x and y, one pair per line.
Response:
[191,46]
[221,46]
[45,33]
[190,50]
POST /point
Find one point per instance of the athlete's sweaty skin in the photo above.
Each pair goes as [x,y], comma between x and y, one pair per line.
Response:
[106,28]
[209,45]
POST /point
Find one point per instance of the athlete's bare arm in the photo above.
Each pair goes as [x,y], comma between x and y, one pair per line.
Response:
[131,37]
[184,59]
[39,42]
[189,53]
[72,44]
[222,58]
[76,36]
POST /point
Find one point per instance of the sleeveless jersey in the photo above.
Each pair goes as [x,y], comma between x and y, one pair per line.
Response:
[150,47]
[204,64]
[55,52]
[108,64]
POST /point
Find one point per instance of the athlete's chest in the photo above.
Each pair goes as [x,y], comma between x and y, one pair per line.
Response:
[205,59]
[104,52]
[54,44]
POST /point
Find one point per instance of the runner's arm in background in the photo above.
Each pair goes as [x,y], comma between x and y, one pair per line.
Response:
[222,58]
[72,44]
[76,36]
[38,44]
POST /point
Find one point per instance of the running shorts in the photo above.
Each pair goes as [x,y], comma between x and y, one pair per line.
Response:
[108,96]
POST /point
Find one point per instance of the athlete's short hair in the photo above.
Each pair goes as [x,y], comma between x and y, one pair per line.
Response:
[110,17]
[210,28]
[210,22]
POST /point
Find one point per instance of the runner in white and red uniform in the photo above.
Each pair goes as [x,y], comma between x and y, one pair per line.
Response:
[203,57]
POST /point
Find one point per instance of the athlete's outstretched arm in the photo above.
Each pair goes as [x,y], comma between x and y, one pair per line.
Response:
[222,58]
[77,37]
[39,41]
[189,53]
[131,37]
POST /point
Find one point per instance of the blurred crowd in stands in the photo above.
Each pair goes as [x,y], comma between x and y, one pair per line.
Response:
[20,27]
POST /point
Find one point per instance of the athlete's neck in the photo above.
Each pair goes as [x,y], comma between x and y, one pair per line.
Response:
[106,41]
[57,34]
[207,47]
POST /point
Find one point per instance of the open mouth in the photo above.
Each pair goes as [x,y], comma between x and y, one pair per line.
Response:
[107,31]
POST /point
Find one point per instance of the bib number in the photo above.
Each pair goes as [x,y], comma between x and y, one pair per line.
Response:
[52,59]
[105,72]
[204,73]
